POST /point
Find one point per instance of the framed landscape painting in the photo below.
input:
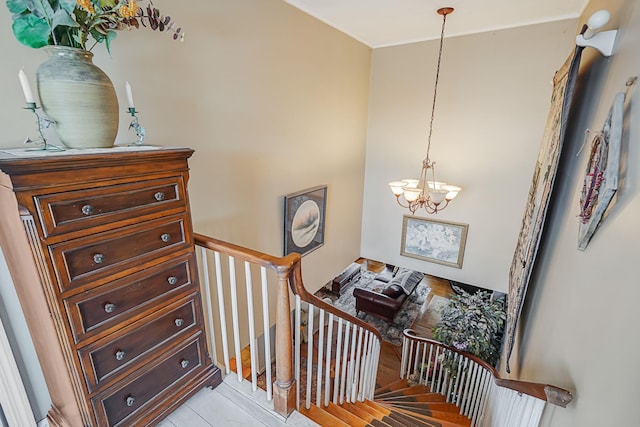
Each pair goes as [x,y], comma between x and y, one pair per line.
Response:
[304,219]
[441,242]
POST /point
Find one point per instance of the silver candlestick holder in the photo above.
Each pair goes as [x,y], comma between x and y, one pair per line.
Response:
[43,122]
[140,131]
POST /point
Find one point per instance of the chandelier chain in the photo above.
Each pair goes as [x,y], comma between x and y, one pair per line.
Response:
[435,89]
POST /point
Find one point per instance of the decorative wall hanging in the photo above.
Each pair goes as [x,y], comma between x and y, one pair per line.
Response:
[601,177]
[304,219]
[441,242]
[539,194]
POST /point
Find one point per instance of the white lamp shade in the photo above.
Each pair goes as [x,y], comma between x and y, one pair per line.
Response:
[412,194]
[411,183]
[397,187]
[599,19]
[437,196]
[452,191]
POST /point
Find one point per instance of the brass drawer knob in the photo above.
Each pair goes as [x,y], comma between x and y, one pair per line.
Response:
[98,258]
[87,210]
[172,280]
[184,363]
[130,400]
[109,307]
[120,355]
[179,322]
[159,196]
[165,237]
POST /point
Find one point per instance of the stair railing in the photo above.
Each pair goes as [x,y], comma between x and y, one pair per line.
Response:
[474,386]
[258,317]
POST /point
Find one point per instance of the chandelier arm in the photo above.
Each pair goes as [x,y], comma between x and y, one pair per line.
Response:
[408,206]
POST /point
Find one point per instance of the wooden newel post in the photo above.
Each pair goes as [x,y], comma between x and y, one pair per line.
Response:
[284,389]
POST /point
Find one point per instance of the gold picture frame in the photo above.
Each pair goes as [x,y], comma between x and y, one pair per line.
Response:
[441,242]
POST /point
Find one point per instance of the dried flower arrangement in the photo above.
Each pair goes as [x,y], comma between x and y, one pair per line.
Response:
[71,22]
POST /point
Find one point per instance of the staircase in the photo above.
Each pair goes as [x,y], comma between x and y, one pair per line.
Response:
[331,375]
[395,405]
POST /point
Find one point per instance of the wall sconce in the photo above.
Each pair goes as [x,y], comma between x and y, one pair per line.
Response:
[603,41]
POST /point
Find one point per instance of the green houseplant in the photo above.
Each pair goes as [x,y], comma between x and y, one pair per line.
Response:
[473,323]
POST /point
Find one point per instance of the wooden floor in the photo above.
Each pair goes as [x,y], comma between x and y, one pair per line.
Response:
[390,355]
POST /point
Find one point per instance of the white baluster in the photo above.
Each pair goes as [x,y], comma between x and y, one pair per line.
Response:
[267,333]
[207,292]
[474,388]
[327,380]
[351,366]
[429,365]
[320,359]
[234,313]
[252,328]
[361,360]
[356,368]
[405,356]
[223,313]
[297,351]
[309,353]
[336,381]
[345,360]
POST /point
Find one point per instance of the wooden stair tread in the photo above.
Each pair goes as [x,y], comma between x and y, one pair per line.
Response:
[419,408]
[431,406]
[365,413]
[407,391]
[392,387]
[465,422]
[404,419]
[425,397]
[349,417]
[321,416]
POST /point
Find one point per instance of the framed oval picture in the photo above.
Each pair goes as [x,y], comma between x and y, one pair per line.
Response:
[304,218]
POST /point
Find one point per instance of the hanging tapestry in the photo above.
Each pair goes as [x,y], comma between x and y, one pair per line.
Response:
[540,193]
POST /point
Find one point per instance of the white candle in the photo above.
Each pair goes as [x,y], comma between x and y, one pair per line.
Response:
[26,87]
[130,96]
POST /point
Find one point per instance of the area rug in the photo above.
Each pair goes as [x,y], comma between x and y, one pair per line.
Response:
[390,331]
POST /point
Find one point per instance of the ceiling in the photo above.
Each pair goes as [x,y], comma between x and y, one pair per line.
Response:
[379,23]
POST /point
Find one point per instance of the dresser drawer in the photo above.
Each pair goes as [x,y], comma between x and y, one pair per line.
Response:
[98,309]
[83,209]
[108,357]
[114,406]
[80,260]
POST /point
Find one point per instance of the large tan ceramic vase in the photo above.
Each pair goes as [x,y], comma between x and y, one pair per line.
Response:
[79,96]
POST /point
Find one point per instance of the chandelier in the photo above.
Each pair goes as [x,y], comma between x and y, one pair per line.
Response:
[426,192]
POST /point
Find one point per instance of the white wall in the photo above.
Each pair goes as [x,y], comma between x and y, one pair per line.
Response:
[272,100]
[579,322]
[493,100]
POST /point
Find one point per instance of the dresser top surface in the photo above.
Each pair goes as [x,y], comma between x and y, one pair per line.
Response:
[20,161]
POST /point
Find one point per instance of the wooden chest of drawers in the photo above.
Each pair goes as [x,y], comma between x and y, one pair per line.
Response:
[100,249]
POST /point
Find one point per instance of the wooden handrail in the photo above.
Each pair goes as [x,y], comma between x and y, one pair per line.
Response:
[289,265]
[299,289]
[280,265]
[289,272]
[546,392]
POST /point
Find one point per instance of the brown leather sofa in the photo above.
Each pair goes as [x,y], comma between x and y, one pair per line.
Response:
[396,286]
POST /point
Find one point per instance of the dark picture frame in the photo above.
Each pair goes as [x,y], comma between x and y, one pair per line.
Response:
[442,242]
[304,220]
